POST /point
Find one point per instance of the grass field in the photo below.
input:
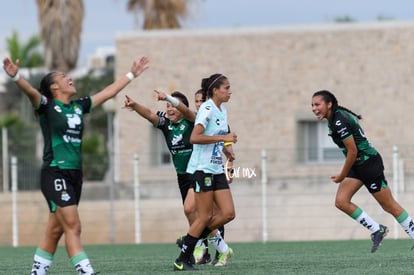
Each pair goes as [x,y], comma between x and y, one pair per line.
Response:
[316,257]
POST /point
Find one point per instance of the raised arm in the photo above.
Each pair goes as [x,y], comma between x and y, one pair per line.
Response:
[12,69]
[141,110]
[187,113]
[137,68]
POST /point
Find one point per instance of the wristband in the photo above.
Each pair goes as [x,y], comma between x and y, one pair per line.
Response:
[174,102]
[130,76]
[16,76]
[227,143]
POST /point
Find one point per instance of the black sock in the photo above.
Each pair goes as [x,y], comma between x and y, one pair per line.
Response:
[205,233]
[188,248]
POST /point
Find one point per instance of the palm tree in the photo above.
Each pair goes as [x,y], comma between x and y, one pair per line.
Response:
[28,53]
[30,57]
[160,14]
[60,27]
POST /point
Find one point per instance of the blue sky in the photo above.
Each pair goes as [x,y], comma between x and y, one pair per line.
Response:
[105,18]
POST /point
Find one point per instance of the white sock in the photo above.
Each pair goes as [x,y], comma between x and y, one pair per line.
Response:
[407,224]
[366,221]
[82,264]
[84,267]
[40,264]
[218,242]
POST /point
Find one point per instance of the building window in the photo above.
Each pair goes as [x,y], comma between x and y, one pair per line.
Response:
[314,143]
[160,155]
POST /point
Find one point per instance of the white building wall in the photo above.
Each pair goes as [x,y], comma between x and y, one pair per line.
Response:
[273,73]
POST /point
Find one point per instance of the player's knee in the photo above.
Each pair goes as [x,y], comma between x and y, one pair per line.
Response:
[55,232]
[189,211]
[73,228]
[229,216]
[205,219]
[340,204]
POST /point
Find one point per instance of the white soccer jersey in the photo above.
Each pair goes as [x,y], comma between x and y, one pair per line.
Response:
[208,157]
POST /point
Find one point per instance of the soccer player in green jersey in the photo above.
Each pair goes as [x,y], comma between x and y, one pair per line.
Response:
[61,121]
[176,124]
[176,127]
[363,166]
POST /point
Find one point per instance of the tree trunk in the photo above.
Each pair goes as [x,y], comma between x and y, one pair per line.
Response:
[60,29]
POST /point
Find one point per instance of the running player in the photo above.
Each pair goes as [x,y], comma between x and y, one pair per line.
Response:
[363,166]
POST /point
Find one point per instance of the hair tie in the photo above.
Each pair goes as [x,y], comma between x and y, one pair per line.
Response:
[214,81]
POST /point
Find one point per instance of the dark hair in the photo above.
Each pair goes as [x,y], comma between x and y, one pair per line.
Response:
[45,83]
[181,97]
[208,84]
[199,91]
[330,97]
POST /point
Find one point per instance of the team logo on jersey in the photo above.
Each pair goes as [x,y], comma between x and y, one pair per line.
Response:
[207,181]
[176,139]
[73,120]
[58,109]
[77,110]
[65,196]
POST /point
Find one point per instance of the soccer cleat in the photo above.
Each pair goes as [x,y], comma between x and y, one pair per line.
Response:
[182,266]
[179,242]
[201,255]
[224,257]
[206,259]
[215,260]
[377,237]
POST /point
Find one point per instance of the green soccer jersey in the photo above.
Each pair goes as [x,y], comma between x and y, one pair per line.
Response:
[344,125]
[62,128]
[177,136]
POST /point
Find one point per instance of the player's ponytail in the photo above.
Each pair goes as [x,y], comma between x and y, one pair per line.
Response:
[208,84]
[45,83]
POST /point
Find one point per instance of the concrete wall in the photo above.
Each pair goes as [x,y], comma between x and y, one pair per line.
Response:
[273,73]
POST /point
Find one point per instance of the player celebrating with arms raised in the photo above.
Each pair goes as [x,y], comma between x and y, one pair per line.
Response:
[61,121]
